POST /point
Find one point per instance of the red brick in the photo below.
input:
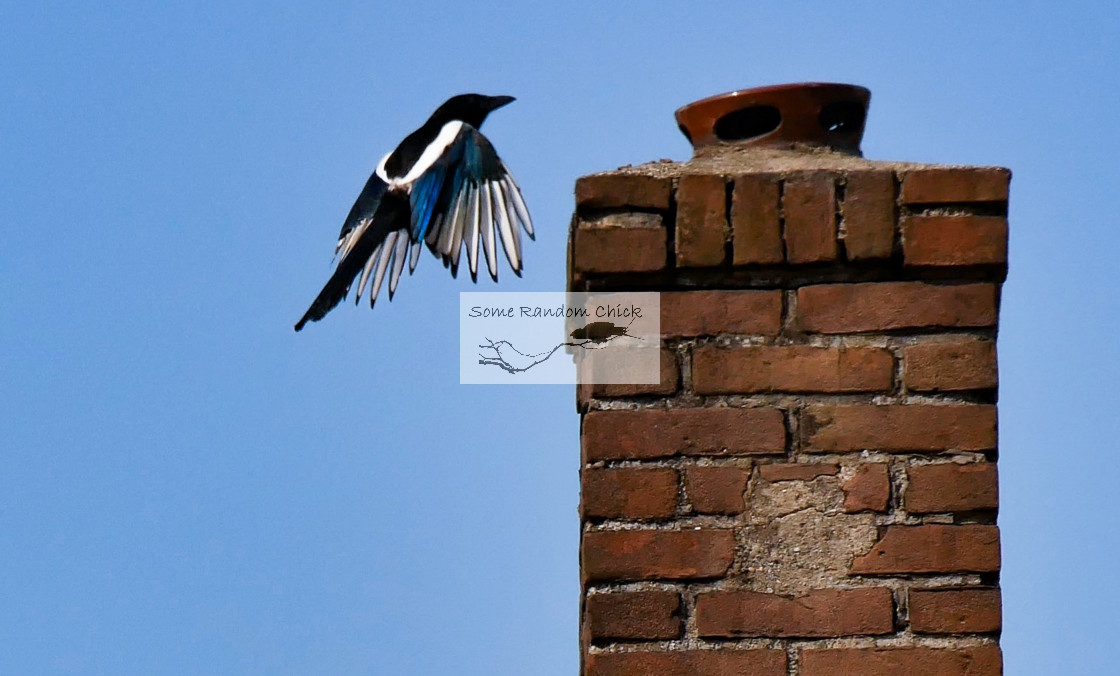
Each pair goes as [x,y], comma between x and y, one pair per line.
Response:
[790,368]
[617,191]
[944,185]
[621,243]
[723,662]
[950,366]
[670,381]
[869,489]
[660,433]
[898,427]
[710,313]
[887,306]
[984,660]
[656,554]
[820,613]
[756,228]
[629,493]
[955,611]
[634,615]
[716,490]
[702,231]
[954,240]
[952,487]
[932,548]
[809,204]
[869,214]
[797,471]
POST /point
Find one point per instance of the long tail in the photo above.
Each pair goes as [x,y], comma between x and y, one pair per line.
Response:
[393,213]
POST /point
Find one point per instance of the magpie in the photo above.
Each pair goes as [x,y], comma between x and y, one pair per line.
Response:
[444,186]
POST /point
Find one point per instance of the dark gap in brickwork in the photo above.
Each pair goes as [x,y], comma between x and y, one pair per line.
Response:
[839,191]
[789,277]
[790,418]
[985,516]
[896,243]
[728,249]
[957,209]
[594,214]
[782,217]
[989,579]
[670,221]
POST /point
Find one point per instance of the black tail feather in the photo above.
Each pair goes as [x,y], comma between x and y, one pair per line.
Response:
[393,213]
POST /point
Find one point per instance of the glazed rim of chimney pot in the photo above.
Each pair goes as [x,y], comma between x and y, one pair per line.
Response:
[783,116]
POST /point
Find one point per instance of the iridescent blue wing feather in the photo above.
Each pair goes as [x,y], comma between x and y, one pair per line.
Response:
[476,196]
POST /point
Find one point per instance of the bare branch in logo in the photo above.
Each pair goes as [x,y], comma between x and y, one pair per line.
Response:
[593,336]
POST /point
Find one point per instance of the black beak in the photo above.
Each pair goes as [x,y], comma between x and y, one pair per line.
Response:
[497,102]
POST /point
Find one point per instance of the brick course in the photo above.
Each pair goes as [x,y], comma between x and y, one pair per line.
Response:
[889,306]
[820,613]
[660,433]
[793,368]
[809,204]
[951,487]
[629,493]
[946,185]
[716,490]
[955,611]
[972,661]
[756,228]
[634,615]
[868,489]
[709,313]
[630,243]
[950,366]
[954,240]
[617,191]
[933,548]
[657,554]
[733,662]
[702,231]
[869,215]
[892,427]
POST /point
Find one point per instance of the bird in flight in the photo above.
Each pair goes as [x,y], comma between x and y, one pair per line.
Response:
[443,186]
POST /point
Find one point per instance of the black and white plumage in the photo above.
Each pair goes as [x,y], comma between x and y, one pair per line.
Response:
[445,187]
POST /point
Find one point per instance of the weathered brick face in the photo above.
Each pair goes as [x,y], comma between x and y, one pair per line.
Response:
[812,488]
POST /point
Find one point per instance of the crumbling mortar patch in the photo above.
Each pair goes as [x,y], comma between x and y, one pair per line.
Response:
[899,640]
[690,644]
[784,400]
[994,208]
[674,524]
[602,587]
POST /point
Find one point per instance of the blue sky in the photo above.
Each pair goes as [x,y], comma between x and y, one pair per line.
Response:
[189,487]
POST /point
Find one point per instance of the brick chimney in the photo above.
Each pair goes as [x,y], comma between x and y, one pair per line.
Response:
[811,489]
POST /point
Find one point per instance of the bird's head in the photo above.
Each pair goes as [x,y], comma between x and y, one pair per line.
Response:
[469,108]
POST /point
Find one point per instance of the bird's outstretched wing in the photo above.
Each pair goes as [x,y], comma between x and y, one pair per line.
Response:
[468,199]
[363,244]
[360,214]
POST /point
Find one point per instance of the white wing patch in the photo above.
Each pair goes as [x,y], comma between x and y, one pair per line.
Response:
[435,150]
